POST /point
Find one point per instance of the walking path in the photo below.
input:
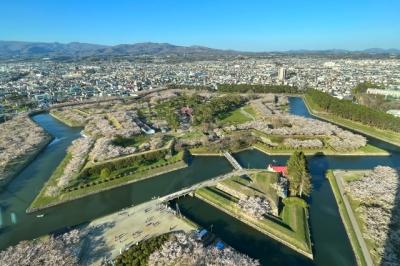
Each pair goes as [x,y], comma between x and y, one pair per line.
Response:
[108,236]
[354,224]
[247,114]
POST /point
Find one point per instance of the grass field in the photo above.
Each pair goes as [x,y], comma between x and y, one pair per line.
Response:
[81,188]
[203,150]
[385,135]
[290,227]
[113,121]
[69,122]
[250,110]
[259,184]
[235,117]
[346,219]
[134,141]
[349,176]
[367,150]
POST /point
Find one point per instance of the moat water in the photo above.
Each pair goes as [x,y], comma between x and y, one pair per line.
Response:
[331,244]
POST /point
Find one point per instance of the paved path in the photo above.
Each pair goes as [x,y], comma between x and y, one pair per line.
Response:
[339,180]
[106,237]
[109,235]
[247,114]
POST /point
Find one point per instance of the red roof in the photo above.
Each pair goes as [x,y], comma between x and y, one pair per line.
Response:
[187,110]
[278,169]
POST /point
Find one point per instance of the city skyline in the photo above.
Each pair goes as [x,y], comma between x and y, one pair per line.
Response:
[234,25]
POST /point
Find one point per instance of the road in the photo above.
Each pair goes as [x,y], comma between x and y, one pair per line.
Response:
[353,220]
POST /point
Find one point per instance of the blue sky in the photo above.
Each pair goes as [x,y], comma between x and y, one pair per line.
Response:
[242,25]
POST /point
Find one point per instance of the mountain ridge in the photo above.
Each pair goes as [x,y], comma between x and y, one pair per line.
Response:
[20,49]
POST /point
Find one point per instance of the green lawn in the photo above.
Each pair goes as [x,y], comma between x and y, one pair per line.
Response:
[353,175]
[260,185]
[346,220]
[83,113]
[195,134]
[61,117]
[250,110]
[235,117]
[279,150]
[42,198]
[134,141]
[203,150]
[113,121]
[80,187]
[355,204]
[291,228]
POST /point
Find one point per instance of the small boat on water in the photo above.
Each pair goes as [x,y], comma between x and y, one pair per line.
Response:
[39,215]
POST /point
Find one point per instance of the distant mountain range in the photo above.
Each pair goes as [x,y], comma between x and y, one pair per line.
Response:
[15,49]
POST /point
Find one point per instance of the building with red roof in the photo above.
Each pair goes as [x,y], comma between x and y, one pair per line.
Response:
[278,169]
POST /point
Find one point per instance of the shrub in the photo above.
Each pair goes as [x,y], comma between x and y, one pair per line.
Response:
[105,172]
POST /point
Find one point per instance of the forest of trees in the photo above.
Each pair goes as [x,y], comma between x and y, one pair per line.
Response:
[204,111]
[298,175]
[266,88]
[348,110]
[190,87]
[217,108]
[362,87]
[139,254]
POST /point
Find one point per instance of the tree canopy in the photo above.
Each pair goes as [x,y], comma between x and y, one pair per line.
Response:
[257,88]
[298,175]
[356,112]
[362,87]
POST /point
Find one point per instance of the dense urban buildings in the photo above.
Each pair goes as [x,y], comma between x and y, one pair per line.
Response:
[25,85]
[199,133]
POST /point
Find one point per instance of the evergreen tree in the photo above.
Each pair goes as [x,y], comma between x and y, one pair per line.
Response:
[298,175]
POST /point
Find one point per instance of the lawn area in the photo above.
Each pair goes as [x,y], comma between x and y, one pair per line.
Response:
[113,121]
[83,113]
[353,175]
[367,150]
[69,122]
[134,141]
[346,219]
[327,149]
[292,230]
[259,185]
[195,134]
[235,117]
[250,110]
[85,186]
[204,150]
[263,181]
[385,135]
[355,204]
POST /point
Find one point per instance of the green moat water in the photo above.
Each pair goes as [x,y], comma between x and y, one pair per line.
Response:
[331,245]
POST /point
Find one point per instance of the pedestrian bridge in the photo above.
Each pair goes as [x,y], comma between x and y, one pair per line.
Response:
[232,160]
[207,183]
